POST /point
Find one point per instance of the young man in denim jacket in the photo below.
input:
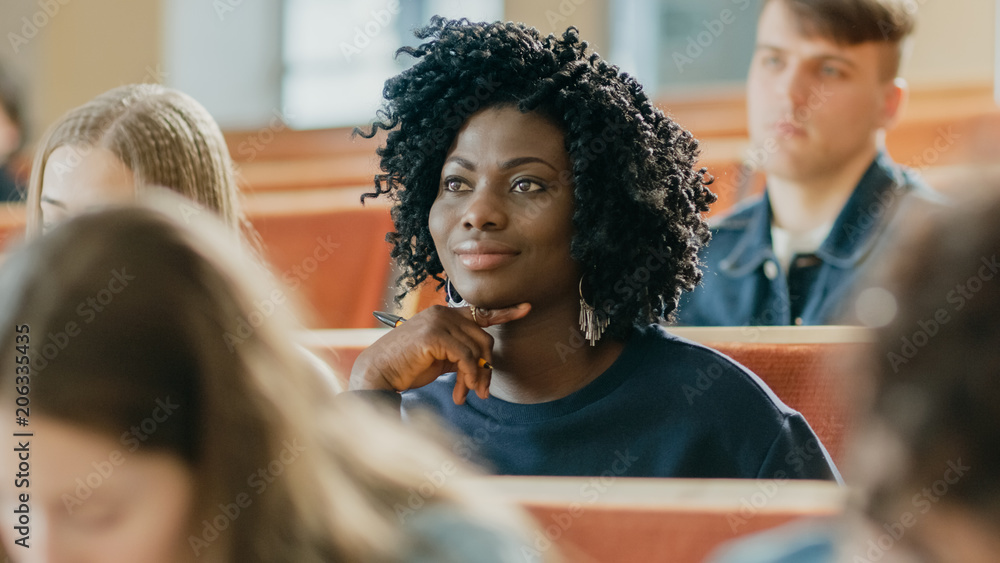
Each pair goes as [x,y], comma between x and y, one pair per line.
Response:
[821,91]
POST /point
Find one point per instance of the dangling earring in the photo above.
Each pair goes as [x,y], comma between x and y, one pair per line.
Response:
[451,295]
[592,323]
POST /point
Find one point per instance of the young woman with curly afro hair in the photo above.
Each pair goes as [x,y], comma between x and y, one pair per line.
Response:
[563,211]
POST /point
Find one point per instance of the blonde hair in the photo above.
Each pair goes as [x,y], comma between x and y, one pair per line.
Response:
[163,136]
[195,325]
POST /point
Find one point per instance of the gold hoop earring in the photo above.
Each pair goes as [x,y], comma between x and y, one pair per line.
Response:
[592,323]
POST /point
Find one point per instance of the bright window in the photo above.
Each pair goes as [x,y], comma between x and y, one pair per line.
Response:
[337,54]
[697,43]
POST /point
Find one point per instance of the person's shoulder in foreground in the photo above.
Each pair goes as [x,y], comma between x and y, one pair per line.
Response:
[440,534]
[806,541]
[667,407]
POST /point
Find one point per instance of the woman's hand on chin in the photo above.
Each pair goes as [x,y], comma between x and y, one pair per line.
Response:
[436,340]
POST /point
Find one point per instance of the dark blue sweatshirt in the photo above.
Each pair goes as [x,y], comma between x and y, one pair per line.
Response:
[667,407]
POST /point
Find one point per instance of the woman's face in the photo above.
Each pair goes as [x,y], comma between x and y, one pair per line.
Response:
[92,500]
[502,220]
[77,179]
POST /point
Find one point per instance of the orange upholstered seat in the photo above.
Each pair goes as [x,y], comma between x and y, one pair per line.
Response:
[623,520]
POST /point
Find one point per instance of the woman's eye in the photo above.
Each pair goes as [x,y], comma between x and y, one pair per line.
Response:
[453,185]
[524,185]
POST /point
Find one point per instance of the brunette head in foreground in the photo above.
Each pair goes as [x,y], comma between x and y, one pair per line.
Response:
[163,430]
[936,394]
[925,467]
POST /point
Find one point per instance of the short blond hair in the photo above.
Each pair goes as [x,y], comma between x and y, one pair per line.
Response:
[163,136]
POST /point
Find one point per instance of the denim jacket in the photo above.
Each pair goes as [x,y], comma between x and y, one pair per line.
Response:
[744,285]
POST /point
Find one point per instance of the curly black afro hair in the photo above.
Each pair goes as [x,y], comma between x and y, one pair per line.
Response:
[638,196]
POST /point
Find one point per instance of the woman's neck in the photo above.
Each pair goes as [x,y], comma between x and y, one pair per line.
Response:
[544,356]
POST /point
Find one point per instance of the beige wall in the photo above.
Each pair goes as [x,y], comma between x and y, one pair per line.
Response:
[953,42]
[554,16]
[95,45]
[21,59]
[84,48]
[90,46]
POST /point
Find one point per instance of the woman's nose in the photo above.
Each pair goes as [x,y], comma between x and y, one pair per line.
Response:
[485,209]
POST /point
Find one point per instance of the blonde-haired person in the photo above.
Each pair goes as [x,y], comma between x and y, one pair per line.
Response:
[114,148]
[132,136]
[157,437]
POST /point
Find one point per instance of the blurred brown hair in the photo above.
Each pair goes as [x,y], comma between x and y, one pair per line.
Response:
[850,22]
[936,366]
[188,323]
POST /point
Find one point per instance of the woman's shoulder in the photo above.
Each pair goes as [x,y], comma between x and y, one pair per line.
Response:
[659,345]
[698,370]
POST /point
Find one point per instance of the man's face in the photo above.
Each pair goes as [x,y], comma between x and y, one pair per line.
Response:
[814,105]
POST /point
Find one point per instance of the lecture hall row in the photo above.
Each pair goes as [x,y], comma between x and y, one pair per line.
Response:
[303,189]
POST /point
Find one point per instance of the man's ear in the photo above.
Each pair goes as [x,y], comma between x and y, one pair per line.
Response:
[895,94]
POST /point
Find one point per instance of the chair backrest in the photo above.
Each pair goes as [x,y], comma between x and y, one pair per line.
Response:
[613,519]
[806,367]
[279,158]
[329,250]
[12,223]
[340,347]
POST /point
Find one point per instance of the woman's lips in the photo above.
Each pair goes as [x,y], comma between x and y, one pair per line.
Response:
[485,261]
[484,255]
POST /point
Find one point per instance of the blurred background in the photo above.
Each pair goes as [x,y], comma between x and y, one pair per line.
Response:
[321,63]
[289,79]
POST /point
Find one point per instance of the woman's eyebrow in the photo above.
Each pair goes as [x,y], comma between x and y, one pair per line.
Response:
[57,203]
[461,162]
[515,162]
[506,165]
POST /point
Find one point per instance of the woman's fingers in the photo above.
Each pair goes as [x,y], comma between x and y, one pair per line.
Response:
[490,317]
[476,340]
[469,374]
[481,384]
[461,390]
[436,340]
[477,377]
[464,382]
